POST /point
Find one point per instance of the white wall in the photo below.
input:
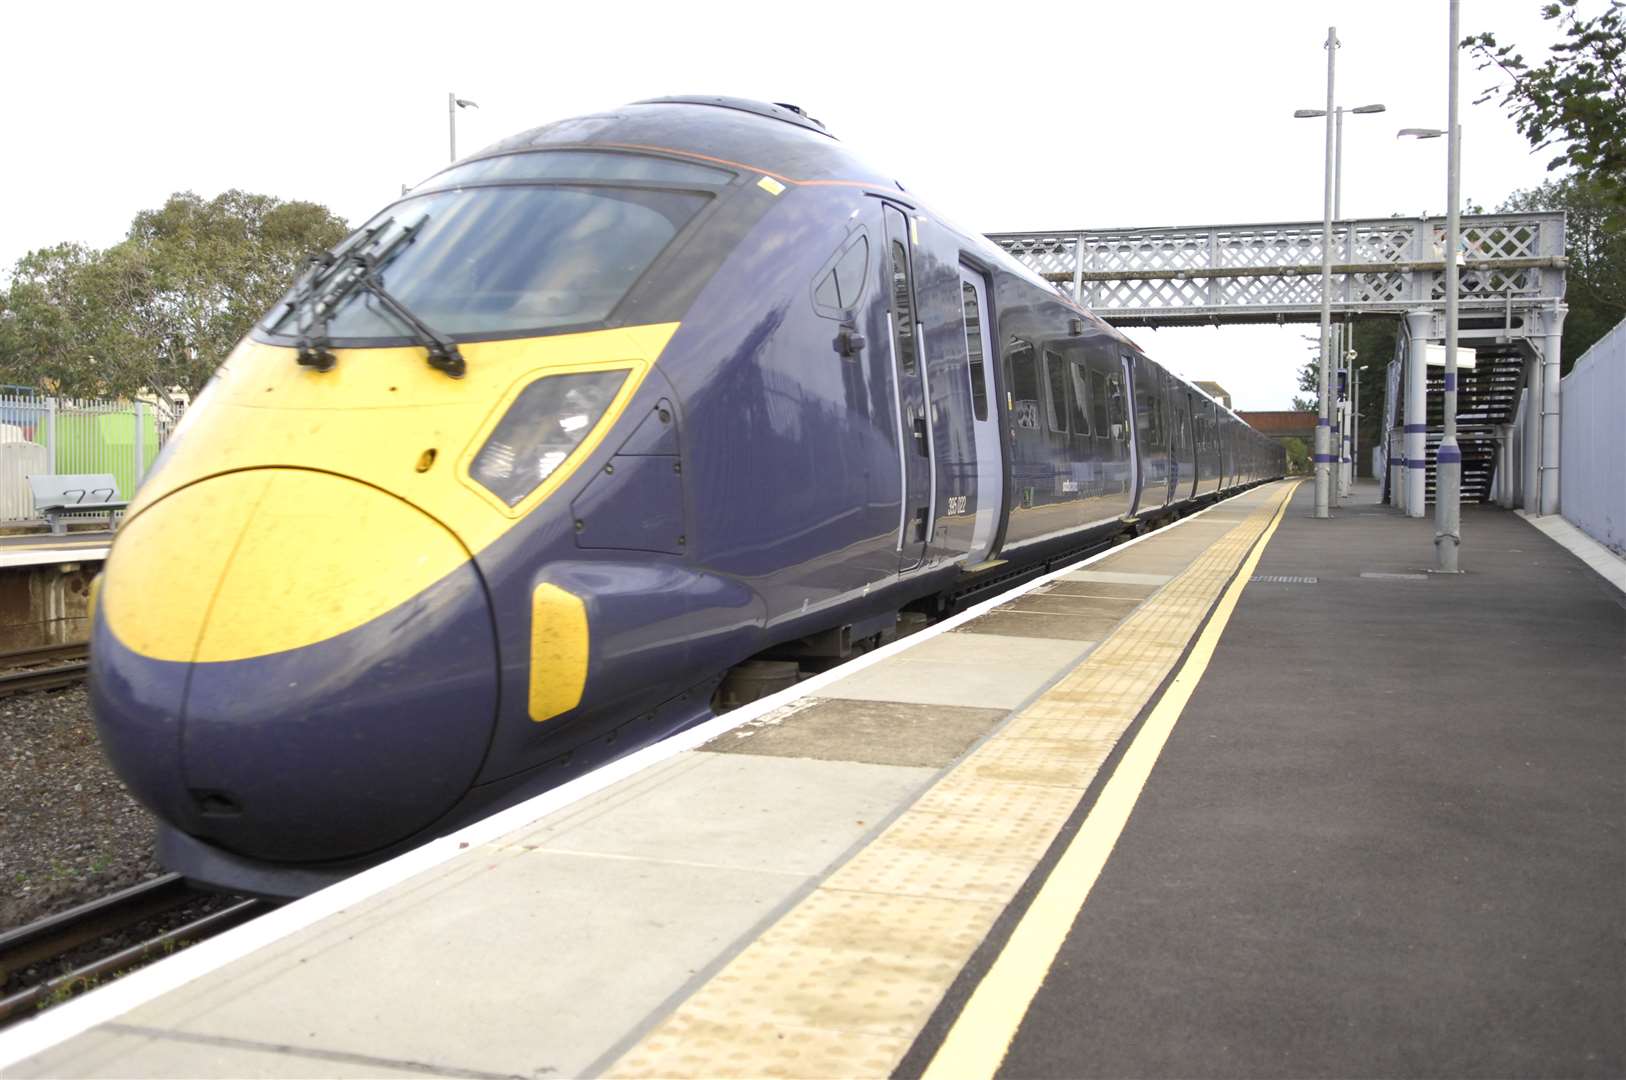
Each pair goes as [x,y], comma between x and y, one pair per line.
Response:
[1592,454]
[17,461]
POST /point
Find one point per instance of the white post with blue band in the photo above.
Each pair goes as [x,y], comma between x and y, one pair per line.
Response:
[1419,327]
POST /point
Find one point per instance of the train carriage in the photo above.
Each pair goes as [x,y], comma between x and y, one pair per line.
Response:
[517,475]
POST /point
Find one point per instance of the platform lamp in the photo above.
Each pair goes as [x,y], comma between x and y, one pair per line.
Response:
[1448,459]
[1335,137]
[454,103]
[1338,147]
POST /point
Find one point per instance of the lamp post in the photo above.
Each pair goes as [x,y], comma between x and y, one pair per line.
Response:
[1448,461]
[1338,146]
[1335,134]
[454,103]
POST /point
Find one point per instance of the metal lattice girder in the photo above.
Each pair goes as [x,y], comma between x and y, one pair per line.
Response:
[1272,272]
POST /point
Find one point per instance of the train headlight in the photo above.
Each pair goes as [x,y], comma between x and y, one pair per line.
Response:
[541,429]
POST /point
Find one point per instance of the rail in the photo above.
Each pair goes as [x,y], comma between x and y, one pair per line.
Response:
[60,935]
[25,670]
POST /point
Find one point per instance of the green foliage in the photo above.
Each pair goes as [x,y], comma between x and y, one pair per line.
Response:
[1298,455]
[1309,383]
[163,307]
[1595,243]
[1576,97]
[1374,343]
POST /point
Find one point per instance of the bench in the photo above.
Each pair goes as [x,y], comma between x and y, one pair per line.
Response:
[55,497]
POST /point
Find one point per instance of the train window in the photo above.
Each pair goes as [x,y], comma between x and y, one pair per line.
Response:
[545,423]
[840,283]
[1024,369]
[1081,397]
[1055,371]
[578,165]
[1149,414]
[973,347]
[1116,411]
[1098,405]
[503,259]
[903,307]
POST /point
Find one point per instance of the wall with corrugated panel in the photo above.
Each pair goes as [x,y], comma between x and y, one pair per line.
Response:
[1592,451]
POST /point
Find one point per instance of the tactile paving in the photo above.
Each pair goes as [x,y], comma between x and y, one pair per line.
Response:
[843,982]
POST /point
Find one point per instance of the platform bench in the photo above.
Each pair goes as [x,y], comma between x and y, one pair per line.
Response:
[55,497]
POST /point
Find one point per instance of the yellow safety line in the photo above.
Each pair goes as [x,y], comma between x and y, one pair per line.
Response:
[981,1035]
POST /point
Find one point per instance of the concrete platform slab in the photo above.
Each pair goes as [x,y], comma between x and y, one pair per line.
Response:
[508,974]
[877,732]
[1036,624]
[961,669]
[1118,577]
[734,811]
[125,1052]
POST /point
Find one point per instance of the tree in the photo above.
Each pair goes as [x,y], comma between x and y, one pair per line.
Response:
[1374,343]
[1576,97]
[1298,455]
[163,307]
[1595,243]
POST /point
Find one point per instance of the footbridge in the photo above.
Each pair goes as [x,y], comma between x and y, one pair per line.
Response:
[1511,304]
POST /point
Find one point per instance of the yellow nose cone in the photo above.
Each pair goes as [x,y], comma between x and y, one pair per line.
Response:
[263,561]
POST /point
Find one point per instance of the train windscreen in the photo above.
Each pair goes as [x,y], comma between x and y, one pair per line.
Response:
[511,258]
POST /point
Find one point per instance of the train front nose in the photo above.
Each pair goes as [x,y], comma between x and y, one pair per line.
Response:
[293,665]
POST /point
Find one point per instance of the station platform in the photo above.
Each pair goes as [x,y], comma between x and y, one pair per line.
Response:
[1254,795]
[42,548]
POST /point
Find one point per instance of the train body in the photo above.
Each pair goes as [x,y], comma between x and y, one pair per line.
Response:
[719,389]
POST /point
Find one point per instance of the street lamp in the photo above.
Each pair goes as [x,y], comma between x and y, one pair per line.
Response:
[1448,461]
[454,103]
[1323,424]
[1338,146]
[1335,115]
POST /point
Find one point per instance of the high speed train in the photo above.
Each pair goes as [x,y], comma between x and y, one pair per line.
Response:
[515,476]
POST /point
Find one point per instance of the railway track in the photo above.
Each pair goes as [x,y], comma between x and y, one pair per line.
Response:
[48,667]
[70,939]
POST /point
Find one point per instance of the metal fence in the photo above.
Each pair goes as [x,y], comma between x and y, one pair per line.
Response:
[42,435]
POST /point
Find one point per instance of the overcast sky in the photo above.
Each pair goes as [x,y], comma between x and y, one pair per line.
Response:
[1003,116]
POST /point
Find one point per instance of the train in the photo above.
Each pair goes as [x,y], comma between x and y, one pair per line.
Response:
[517,475]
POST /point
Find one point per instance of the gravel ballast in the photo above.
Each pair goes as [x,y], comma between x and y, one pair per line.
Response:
[69,831]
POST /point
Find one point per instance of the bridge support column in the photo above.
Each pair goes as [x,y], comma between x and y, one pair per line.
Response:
[1419,324]
[1552,329]
[1530,467]
[1506,482]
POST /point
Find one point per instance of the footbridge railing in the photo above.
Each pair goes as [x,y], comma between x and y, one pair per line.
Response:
[1272,272]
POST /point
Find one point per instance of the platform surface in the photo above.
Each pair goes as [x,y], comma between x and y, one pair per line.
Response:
[1383,837]
[41,548]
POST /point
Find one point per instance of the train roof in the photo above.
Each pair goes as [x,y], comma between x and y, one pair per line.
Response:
[779,140]
[775,138]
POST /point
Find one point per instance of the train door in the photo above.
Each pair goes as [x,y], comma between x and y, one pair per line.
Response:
[1151,435]
[1126,406]
[1189,433]
[984,416]
[1171,430]
[1109,425]
[917,511]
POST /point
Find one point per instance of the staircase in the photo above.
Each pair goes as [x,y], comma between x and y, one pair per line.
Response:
[1487,397]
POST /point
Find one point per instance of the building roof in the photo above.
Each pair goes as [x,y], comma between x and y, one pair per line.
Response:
[1285,422]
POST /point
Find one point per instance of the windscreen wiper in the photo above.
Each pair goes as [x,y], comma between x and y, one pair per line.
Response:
[326,282]
[339,275]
